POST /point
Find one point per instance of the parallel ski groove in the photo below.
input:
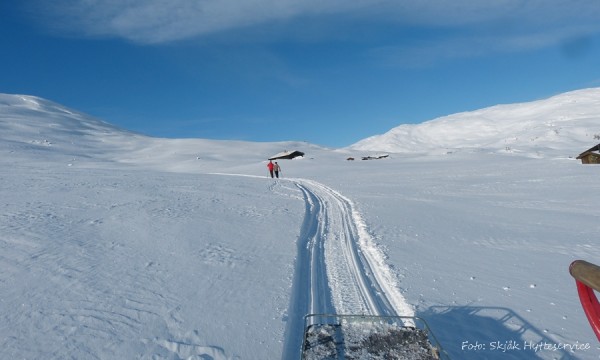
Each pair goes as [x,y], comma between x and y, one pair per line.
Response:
[338,268]
[352,283]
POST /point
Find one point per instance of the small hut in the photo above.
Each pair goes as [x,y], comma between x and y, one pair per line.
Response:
[590,156]
[287,155]
[375,157]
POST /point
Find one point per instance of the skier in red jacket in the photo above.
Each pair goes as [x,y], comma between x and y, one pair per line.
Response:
[270,166]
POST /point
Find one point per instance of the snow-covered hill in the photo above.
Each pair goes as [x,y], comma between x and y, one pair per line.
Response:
[563,125]
[115,245]
[34,128]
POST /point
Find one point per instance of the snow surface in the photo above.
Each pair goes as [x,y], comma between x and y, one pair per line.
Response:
[114,245]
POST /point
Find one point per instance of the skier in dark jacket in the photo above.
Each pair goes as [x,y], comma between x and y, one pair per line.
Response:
[277,169]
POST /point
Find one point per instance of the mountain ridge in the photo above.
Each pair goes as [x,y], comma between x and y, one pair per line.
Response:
[34,130]
[562,125]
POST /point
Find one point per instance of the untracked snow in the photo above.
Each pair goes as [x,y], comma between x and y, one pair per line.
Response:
[114,245]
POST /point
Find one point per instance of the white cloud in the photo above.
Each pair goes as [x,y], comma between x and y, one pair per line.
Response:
[574,41]
[156,21]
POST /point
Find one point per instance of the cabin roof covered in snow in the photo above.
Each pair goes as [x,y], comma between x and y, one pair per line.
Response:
[287,155]
[595,150]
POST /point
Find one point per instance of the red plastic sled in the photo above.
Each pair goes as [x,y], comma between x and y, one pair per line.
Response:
[587,278]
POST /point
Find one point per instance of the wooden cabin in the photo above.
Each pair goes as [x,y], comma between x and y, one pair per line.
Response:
[590,156]
[287,155]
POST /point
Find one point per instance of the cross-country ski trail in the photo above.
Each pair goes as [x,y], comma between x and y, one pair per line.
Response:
[339,268]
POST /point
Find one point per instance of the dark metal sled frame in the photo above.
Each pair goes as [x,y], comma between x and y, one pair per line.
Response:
[338,322]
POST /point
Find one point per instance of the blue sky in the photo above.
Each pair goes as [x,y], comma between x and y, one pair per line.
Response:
[328,72]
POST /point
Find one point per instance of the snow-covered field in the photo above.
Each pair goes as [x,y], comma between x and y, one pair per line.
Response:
[118,246]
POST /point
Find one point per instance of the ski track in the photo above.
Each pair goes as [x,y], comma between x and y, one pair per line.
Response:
[359,280]
[339,268]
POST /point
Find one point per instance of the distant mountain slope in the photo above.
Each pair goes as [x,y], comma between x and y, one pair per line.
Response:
[563,125]
[32,126]
[34,130]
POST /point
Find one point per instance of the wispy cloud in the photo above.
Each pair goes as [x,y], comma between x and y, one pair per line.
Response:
[159,21]
[574,41]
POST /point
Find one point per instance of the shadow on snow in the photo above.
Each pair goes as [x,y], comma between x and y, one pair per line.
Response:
[471,332]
